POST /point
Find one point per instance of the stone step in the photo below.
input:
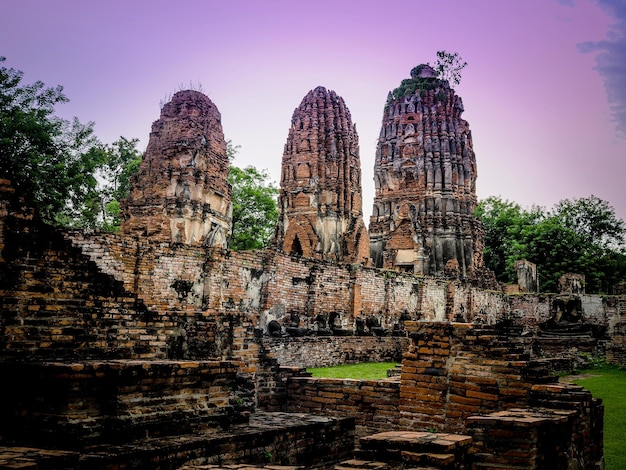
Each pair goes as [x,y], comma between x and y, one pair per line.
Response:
[437,460]
[424,448]
[357,464]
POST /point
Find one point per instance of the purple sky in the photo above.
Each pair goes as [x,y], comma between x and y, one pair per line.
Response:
[544,89]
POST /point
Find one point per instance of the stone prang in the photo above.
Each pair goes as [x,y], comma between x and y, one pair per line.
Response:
[425,176]
[320,202]
[181,194]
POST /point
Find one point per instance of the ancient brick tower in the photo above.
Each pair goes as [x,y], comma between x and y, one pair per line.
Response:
[425,177]
[180,193]
[320,200]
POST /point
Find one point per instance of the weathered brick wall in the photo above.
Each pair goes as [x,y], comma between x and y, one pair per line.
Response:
[56,304]
[329,292]
[580,419]
[373,404]
[325,351]
[127,296]
[274,441]
[78,403]
[454,370]
[464,379]
[371,285]
[537,438]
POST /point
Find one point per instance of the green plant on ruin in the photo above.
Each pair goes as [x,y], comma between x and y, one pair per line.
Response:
[441,96]
[410,86]
[447,67]
[390,274]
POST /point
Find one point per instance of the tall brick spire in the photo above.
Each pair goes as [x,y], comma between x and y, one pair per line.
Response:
[181,193]
[425,177]
[320,196]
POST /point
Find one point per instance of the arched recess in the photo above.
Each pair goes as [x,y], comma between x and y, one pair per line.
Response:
[299,238]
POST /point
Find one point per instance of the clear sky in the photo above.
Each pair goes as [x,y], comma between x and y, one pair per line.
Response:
[544,90]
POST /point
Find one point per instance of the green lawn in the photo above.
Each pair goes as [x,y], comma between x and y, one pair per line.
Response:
[365,371]
[609,383]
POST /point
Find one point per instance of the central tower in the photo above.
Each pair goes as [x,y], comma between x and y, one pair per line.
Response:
[425,177]
[320,199]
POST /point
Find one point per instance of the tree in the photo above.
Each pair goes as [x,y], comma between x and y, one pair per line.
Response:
[594,220]
[504,223]
[581,236]
[448,67]
[59,167]
[122,160]
[255,211]
[47,159]
[602,241]
[40,153]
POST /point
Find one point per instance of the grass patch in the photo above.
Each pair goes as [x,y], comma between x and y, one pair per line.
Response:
[364,371]
[609,383]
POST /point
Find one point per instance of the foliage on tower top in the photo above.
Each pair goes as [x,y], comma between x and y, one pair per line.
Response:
[446,72]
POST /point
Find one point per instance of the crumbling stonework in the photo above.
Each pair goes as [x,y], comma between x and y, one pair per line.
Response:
[572,283]
[480,384]
[616,349]
[160,339]
[320,200]
[180,193]
[526,276]
[425,176]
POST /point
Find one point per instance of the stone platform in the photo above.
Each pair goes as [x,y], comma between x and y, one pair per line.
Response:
[273,440]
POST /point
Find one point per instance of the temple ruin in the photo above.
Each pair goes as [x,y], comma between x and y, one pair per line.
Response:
[320,200]
[159,348]
[180,193]
[425,175]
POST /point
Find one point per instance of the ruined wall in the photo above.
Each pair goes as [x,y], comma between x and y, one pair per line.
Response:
[114,401]
[372,404]
[616,349]
[55,303]
[126,296]
[566,434]
[326,351]
[475,381]
[320,203]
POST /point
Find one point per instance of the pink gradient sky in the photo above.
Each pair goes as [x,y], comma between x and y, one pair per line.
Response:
[544,118]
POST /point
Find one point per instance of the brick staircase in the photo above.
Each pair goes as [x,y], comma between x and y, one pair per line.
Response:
[409,450]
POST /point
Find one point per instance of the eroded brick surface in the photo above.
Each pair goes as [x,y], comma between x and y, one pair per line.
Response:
[425,177]
[180,193]
[320,201]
